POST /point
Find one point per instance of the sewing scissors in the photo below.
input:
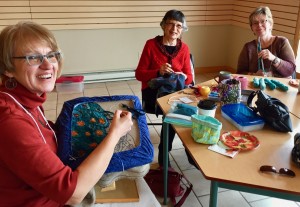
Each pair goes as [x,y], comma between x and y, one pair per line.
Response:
[135,112]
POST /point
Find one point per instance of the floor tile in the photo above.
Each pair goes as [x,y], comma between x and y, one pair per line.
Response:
[201,185]
[228,198]
[50,105]
[181,159]
[62,97]
[90,92]
[177,143]
[51,115]
[52,96]
[117,85]
[155,139]
[95,85]
[273,202]
[250,197]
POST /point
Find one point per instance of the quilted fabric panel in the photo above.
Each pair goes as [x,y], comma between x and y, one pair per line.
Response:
[78,133]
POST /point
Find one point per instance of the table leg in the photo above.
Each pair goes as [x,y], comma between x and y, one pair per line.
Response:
[213,200]
[165,159]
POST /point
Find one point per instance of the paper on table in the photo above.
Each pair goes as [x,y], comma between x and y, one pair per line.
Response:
[186,100]
[222,149]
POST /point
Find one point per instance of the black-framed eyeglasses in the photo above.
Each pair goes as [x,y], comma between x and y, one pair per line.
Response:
[171,24]
[37,60]
[282,171]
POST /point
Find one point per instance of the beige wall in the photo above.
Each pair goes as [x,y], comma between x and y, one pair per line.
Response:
[102,49]
[119,49]
[109,35]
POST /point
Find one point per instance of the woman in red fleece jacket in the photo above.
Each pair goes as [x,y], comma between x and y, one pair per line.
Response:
[31,174]
[164,55]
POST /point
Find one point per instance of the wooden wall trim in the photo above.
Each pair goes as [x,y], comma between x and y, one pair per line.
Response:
[70,14]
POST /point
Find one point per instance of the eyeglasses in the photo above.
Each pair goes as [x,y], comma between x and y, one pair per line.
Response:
[261,22]
[171,24]
[37,60]
[282,171]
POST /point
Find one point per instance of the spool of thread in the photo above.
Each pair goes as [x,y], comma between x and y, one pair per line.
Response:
[244,82]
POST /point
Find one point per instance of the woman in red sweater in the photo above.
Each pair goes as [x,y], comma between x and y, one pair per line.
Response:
[31,174]
[161,56]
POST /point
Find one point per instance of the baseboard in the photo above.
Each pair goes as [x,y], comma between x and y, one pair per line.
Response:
[214,69]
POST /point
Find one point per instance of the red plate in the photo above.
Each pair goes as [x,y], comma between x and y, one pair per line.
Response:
[239,140]
[294,83]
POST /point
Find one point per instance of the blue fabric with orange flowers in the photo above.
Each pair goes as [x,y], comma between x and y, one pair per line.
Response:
[83,124]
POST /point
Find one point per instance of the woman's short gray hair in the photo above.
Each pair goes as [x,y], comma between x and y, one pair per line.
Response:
[264,10]
[174,15]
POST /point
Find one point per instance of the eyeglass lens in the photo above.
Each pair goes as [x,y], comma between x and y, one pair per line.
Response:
[261,22]
[52,57]
[282,171]
[171,24]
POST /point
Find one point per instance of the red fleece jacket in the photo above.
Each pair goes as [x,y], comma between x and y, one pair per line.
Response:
[31,174]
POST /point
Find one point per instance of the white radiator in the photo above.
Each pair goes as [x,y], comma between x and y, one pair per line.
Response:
[106,76]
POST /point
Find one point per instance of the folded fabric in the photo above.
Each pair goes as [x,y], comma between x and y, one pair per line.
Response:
[180,114]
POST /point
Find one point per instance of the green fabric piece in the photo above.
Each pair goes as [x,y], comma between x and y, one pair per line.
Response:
[89,127]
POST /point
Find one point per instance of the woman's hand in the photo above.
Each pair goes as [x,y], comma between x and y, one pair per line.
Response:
[263,73]
[165,69]
[266,54]
[121,123]
[259,73]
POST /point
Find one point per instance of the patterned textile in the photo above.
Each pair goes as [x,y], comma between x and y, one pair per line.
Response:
[84,122]
[89,126]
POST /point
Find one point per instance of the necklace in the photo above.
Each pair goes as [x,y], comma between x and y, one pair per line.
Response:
[27,112]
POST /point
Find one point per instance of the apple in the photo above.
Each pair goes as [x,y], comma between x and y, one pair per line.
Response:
[204,90]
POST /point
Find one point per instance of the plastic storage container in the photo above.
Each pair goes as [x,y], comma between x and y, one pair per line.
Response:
[69,84]
[242,117]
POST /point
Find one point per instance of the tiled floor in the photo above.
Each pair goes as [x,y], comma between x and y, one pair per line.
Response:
[200,194]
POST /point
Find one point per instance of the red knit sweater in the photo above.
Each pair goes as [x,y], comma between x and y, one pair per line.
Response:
[152,58]
[31,174]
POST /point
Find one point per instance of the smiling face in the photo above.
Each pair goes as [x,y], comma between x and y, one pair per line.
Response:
[172,29]
[261,25]
[36,78]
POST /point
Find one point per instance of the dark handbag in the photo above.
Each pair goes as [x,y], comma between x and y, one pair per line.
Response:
[155,180]
[296,150]
[272,110]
